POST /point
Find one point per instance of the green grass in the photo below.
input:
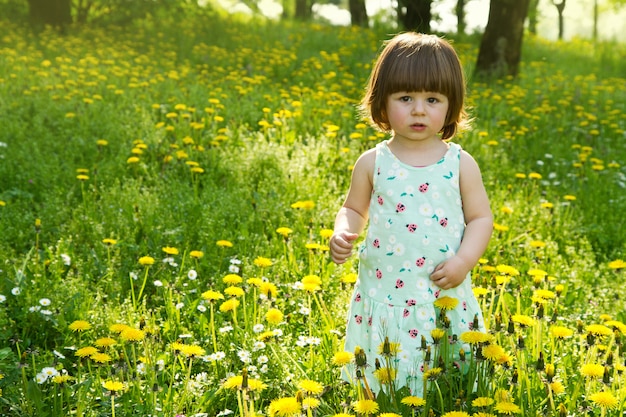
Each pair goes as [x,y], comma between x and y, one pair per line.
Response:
[267,112]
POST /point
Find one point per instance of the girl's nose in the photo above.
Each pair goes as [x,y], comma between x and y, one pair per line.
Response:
[418,107]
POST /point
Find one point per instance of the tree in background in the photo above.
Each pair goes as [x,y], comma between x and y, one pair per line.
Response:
[50,12]
[414,15]
[560,7]
[358,13]
[533,16]
[461,23]
[501,44]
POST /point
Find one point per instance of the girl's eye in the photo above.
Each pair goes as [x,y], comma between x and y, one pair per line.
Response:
[432,100]
[405,98]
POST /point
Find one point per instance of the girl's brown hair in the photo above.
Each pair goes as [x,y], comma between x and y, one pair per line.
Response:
[416,62]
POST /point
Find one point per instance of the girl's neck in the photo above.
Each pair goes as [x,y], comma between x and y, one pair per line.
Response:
[418,153]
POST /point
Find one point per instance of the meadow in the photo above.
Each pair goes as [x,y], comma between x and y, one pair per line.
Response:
[167,192]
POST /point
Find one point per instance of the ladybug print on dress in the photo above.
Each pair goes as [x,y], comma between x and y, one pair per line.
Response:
[406,313]
[413,333]
[376,243]
[357,297]
[399,283]
[380,201]
[400,208]
[420,262]
[379,273]
[358,319]
[411,302]
[423,188]
[411,227]
[443,222]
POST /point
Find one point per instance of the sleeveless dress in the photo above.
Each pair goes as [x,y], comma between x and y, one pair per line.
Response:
[415,222]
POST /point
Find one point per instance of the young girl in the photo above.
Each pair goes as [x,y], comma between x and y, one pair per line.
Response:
[428,212]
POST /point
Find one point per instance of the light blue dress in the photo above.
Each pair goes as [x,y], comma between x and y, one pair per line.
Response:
[415,222]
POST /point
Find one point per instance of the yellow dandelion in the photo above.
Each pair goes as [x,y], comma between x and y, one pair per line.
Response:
[385,375]
[507,408]
[170,250]
[413,402]
[493,352]
[191,351]
[234,291]
[232,279]
[482,402]
[105,342]
[109,242]
[130,334]
[617,264]
[432,374]
[86,351]
[211,295]
[599,330]
[307,204]
[310,387]
[349,278]
[604,399]
[326,233]
[229,305]
[616,325]
[537,244]
[342,358]
[534,176]
[284,407]
[268,289]
[196,254]
[274,316]
[523,320]
[224,244]
[61,378]
[561,332]
[100,357]
[456,414]
[366,407]
[507,270]
[474,337]
[557,387]
[146,260]
[446,303]
[310,403]
[118,327]
[437,334]
[262,262]
[79,326]
[480,292]
[592,370]
[113,386]
[284,231]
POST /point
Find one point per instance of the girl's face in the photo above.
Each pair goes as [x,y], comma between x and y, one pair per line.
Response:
[416,116]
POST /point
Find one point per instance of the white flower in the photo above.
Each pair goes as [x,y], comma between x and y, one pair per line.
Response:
[141,368]
[426,210]
[226,412]
[40,378]
[258,328]
[225,329]
[58,354]
[185,336]
[34,309]
[258,345]
[45,302]
[202,308]
[179,306]
[16,291]
[49,371]
[3,298]
[244,356]
[133,275]
[192,274]
[233,269]
[158,283]
[217,356]
[66,259]
[262,360]
[46,312]
[305,311]
[235,261]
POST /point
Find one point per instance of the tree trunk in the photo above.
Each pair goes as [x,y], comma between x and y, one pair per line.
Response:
[501,45]
[560,7]
[50,12]
[415,15]
[303,10]
[460,17]
[533,16]
[595,20]
[358,13]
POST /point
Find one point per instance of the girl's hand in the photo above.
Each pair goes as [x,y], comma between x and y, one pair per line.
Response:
[341,244]
[450,273]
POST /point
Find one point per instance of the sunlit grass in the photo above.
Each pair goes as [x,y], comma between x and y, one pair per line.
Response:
[165,206]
